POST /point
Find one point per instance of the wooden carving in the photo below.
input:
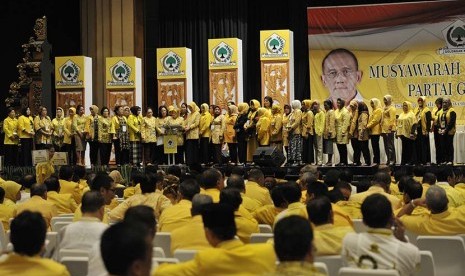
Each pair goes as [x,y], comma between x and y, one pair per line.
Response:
[276,81]
[223,87]
[123,98]
[67,99]
[171,92]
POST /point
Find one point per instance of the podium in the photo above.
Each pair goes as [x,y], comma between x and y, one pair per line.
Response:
[170,141]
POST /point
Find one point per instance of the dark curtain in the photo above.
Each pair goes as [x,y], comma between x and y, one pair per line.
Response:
[187,23]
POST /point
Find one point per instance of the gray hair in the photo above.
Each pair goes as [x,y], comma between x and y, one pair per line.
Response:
[296,104]
[198,201]
[436,199]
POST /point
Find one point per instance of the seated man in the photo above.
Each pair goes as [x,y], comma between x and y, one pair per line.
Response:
[292,194]
[254,188]
[64,202]
[86,232]
[267,213]
[442,219]
[38,203]
[293,245]
[28,232]
[212,182]
[237,182]
[411,190]
[67,185]
[380,185]
[6,212]
[380,247]
[328,237]
[229,255]
[192,234]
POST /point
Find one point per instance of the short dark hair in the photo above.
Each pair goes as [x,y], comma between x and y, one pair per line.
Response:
[122,244]
[38,190]
[332,177]
[317,188]
[444,173]
[28,231]
[293,238]
[141,214]
[277,196]
[27,180]
[231,196]
[403,182]
[103,109]
[413,189]
[255,174]
[101,180]
[219,219]
[189,188]
[376,211]
[319,210]
[383,179]
[340,51]
[291,192]
[429,178]
[2,194]
[134,109]
[146,183]
[210,178]
[174,170]
[52,184]
[66,172]
[80,171]
[92,201]
[198,202]
[236,181]
[238,171]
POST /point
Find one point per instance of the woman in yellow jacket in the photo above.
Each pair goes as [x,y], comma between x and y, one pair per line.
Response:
[68,136]
[286,111]
[104,136]
[353,131]
[263,127]
[43,129]
[406,128]
[374,126]
[91,130]
[318,131]
[191,129]
[388,128]
[26,137]
[10,143]
[217,134]
[424,118]
[330,131]
[294,128]
[205,133]
[175,120]
[79,126]
[276,127]
[149,136]
[307,132]
[342,119]
[120,136]
[229,133]
[134,125]
[58,125]
[363,135]
[161,121]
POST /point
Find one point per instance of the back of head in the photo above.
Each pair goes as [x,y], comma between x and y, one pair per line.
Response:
[142,214]
[28,231]
[101,180]
[210,178]
[231,196]
[319,210]
[27,180]
[148,183]
[376,211]
[189,188]
[152,168]
[137,176]
[2,195]
[413,189]
[123,244]
[80,171]
[277,196]
[198,202]
[307,177]
[332,177]
[219,219]
[66,172]
[237,182]
[38,190]
[174,170]
[291,192]
[256,175]
[293,238]
[309,168]
[238,171]
[317,189]
[436,199]
[382,179]
[444,173]
[92,201]
[52,184]
[403,182]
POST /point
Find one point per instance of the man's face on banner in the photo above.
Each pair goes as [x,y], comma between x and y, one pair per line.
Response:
[340,76]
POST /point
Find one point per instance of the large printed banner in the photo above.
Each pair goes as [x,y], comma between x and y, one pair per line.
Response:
[406,50]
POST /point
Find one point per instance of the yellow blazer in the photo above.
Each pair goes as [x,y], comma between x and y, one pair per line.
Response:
[388,121]
[68,130]
[217,129]
[319,124]
[6,213]
[40,125]
[104,127]
[374,124]
[204,125]
[330,125]
[149,130]
[180,122]
[35,266]
[70,187]
[38,204]
[25,127]
[263,128]
[79,124]
[266,214]
[10,127]
[342,119]
[89,126]
[134,123]
[192,121]
[175,216]
[190,236]
[363,134]
[229,134]
[276,128]
[285,132]
[294,125]
[64,202]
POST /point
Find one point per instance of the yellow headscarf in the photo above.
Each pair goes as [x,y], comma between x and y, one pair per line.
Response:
[11,189]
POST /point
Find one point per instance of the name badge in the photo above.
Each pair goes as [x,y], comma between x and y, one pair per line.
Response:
[212,127]
[124,128]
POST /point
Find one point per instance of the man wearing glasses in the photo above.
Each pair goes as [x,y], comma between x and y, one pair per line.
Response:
[341,75]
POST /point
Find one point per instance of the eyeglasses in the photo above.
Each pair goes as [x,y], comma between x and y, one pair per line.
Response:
[345,72]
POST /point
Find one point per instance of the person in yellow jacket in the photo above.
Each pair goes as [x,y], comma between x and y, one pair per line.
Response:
[374,125]
[68,136]
[435,129]
[43,129]
[217,135]
[422,147]
[268,104]
[104,136]
[175,120]
[91,131]
[120,136]
[64,203]
[134,127]
[26,136]
[353,131]
[447,120]
[318,131]
[251,129]
[363,135]
[276,127]
[7,212]
[58,125]
[80,134]
[149,136]
[388,128]
[406,131]
[162,118]
[12,192]
[229,132]
[38,203]
[307,132]
[205,133]
[294,128]
[263,127]
[286,111]
[191,129]
[342,124]
[10,143]
[329,131]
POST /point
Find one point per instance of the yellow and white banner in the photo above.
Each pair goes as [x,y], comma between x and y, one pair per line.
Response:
[276,44]
[172,63]
[70,72]
[120,72]
[223,53]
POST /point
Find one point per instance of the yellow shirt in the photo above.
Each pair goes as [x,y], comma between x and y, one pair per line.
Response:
[374,124]
[388,122]
[295,269]
[249,204]
[360,197]
[6,213]
[104,127]
[394,190]
[10,127]
[70,187]
[108,208]
[257,192]
[43,171]
[175,216]
[192,121]
[25,127]
[204,124]
[68,130]
[19,265]
[341,217]
[327,238]
[42,124]
[230,257]
[134,126]
[454,196]
[245,224]
[89,126]
[190,236]
[213,192]
[38,204]
[217,129]
[263,130]
[64,202]
[155,200]
[148,130]
[352,208]
[450,222]
[295,208]
[267,214]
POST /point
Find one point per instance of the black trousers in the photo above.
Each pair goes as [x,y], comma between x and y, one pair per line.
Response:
[93,152]
[422,149]
[150,152]
[105,151]
[121,156]
[375,147]
[27,145]
[447,147]
[11,155]
[217,154]
[408,150]
[204,150]
[71,150]
[365,151]
[357,150]
[242,151]
[308,151]
[162,158]
[180,155]
[437,146]
[192,151]
[342,149]
[232,152]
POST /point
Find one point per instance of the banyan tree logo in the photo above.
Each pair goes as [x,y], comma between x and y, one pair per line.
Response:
[69,73]
[171,63]
[454,35]
[120,74]
[223,55]
[274,45]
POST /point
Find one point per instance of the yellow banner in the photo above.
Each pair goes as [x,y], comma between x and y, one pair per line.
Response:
[274,45]
[171,63]
[69,72]
[120,72]
[170,144]
[222,53]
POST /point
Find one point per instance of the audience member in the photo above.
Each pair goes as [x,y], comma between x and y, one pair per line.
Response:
[26,183]
[64,202]
[38,203]
[291,194]
[67,185]
[237,182]
[380,185]
[254,188]
[12,192]
[444,175]
[6,211]
[267,213]
[212,182]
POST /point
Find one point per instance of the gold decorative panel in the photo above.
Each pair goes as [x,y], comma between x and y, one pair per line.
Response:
[171,92]
[276,81]
[223,87]
[71,98]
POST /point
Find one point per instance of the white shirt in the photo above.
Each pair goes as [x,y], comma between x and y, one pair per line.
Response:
[82,234]
[96,266]
[379,246]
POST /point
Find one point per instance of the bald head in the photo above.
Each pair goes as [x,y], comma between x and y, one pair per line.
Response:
[436,199]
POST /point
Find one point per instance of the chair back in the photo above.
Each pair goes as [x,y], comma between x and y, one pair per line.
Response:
[77,266]
[333,263]
[260,237]
[265,228]
[163,240]
[184,255]
[352,271]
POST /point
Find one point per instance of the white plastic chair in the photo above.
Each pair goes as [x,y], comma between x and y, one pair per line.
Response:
[265,228]
[333,263]
[165,260]
[3,240]
[448,253]
[163,240]
[359,226]
[426,264]
[77,266]
[58,225]
[61,218]
[321,267]
[411,237]
[69,215]
[352,271]
[51,244]
[158,252]
[184,255]
[62,253]
[260,237]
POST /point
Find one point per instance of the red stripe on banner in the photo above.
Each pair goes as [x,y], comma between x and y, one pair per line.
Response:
[352,18]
